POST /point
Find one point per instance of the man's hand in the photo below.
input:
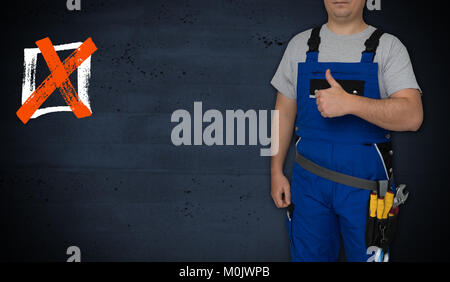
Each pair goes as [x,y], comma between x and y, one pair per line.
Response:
[281,190]
[334,101]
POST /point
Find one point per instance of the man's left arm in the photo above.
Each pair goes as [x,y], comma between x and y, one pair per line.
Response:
[402,111]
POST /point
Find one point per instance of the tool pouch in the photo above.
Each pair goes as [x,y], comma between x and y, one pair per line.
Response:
[381,232]
[371,230]
[386,231]
[391,228]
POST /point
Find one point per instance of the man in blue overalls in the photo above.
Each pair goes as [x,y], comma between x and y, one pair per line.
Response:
[343,87]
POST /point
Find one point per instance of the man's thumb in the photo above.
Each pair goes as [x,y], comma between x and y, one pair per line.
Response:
[330,79]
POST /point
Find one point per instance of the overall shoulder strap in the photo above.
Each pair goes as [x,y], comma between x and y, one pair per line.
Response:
[371,46]
[313,43]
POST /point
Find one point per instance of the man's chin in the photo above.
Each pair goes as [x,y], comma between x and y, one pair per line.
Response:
[342,14]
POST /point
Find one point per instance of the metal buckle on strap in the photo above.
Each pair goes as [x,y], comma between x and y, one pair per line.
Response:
[382,187]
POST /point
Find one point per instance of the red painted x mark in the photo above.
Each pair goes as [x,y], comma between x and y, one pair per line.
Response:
[58,78]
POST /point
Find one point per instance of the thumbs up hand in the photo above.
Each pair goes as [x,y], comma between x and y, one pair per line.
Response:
[334,101]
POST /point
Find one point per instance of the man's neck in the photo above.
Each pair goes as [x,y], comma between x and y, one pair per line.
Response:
[346,27]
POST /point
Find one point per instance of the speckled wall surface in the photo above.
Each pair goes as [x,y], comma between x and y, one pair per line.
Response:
[114,185]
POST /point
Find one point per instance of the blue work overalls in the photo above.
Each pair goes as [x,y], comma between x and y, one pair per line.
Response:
[325,209]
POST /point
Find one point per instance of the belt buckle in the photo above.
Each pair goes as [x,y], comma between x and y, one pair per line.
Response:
[382,187]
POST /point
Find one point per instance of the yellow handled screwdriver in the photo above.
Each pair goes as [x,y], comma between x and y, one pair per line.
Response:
[373,204]
[380,207]
[388,201]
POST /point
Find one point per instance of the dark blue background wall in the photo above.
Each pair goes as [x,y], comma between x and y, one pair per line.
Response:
[114,184]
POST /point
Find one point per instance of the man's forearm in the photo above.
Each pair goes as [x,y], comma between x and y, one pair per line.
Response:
[395,113]
[285,136]
[287,114]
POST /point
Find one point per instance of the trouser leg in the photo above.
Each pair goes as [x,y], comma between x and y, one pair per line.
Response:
[313,230]
[351,207]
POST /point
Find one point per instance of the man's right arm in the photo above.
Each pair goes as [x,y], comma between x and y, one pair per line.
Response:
[280,187]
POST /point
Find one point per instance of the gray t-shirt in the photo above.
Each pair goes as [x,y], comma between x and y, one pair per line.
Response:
[395,70]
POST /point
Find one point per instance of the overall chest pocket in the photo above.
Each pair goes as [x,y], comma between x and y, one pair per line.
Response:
[355,87]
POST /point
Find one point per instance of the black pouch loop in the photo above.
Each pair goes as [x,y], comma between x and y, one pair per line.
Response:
[383,238]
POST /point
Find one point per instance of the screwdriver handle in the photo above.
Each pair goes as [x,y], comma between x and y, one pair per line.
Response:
[380,207]
[373,204]
[388,201]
